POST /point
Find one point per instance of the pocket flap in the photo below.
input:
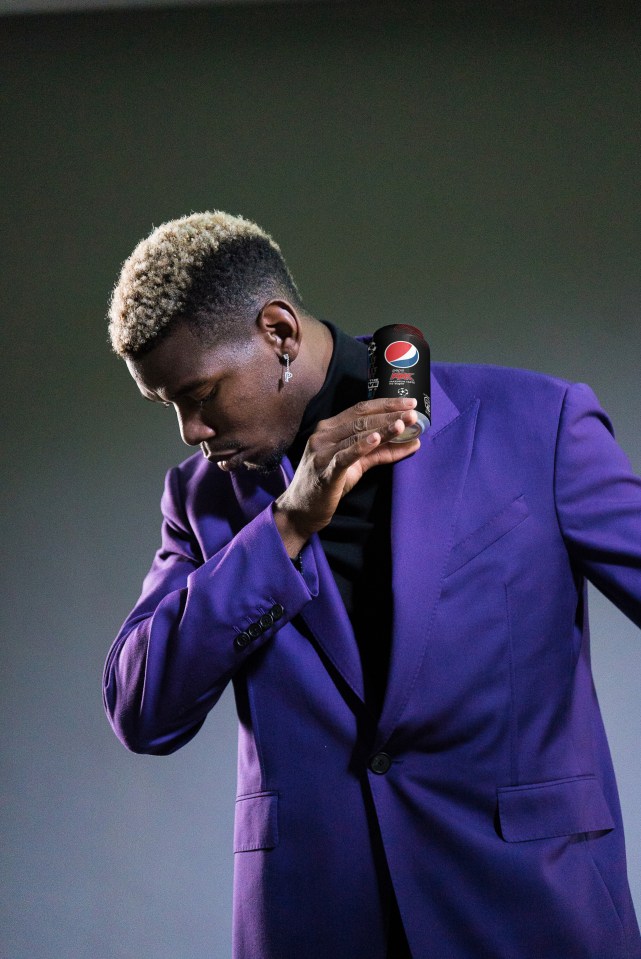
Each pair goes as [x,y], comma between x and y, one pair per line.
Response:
[256,822]
[561,807]
[478,540]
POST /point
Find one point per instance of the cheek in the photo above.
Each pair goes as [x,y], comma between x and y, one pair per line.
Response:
[256,407]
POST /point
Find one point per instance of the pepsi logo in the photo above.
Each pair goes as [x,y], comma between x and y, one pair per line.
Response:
[401,355]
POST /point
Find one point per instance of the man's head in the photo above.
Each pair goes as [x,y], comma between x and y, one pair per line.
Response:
[205,314]
[211,271]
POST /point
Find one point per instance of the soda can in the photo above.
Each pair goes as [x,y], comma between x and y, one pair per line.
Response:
[399,366]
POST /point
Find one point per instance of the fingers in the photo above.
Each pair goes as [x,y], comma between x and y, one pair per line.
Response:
[360,446]
[389,453]
[343,440]
[385,404]
[348,427]
[337,454]
[361,416]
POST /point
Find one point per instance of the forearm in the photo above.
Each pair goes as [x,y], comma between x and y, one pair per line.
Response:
[192,630]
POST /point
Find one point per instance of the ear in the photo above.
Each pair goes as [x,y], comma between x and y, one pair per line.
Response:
[279,323]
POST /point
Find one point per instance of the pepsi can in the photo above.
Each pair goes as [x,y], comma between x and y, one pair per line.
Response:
[399,366]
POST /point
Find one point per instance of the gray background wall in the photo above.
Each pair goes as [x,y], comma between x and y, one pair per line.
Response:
[471,168]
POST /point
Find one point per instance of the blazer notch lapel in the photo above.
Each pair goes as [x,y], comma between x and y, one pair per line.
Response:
[426,497]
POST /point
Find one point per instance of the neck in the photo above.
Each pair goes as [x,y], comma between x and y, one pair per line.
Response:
[315,353]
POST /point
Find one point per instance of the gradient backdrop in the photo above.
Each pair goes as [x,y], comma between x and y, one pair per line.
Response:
[469,168]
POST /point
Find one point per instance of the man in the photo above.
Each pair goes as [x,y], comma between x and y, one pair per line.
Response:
[422,766]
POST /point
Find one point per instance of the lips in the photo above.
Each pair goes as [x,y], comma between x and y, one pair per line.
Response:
[224,459]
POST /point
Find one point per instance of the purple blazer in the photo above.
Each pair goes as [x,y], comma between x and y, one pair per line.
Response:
[484,792]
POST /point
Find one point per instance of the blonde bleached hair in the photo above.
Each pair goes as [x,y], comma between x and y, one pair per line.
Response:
[209,269]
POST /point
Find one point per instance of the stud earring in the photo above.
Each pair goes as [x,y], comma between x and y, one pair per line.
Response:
[287,375]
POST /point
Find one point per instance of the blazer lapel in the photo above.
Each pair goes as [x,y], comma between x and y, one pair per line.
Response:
[327,618]
[325,615]
[255,491]
[426,495]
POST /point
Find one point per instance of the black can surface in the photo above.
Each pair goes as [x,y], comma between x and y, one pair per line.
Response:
[399,365]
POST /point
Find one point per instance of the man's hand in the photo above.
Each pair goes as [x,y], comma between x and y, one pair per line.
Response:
[337,454]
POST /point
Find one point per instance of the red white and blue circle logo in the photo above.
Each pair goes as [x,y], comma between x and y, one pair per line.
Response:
[401,355]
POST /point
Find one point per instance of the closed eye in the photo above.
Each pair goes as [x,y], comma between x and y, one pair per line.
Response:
[206,399]
[156,402]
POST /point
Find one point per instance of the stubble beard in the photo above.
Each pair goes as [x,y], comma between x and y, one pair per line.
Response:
[270,461]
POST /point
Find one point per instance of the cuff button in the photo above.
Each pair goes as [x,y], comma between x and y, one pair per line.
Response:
[242,640]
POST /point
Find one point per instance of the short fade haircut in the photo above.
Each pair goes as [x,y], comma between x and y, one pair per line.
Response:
[210,270]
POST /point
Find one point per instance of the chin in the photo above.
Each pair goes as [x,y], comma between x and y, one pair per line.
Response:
[267,462]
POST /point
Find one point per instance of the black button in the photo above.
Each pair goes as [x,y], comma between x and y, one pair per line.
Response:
[254,630]
[242,640]
[277,611]
[380,763]
[265,621]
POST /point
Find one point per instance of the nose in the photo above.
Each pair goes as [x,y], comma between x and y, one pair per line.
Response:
[193,430]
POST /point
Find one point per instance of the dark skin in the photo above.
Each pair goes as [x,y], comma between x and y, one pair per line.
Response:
[232,400]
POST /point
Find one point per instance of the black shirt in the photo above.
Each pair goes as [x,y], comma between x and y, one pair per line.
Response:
[357,540]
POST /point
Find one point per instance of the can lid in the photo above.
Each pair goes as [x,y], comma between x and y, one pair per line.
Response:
[404,327]
[412,431]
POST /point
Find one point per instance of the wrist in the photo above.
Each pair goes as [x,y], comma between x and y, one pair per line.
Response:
[292,536]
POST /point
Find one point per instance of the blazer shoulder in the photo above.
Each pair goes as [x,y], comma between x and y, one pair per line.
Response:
[501,387]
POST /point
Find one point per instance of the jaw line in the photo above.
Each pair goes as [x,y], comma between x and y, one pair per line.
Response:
[270,462]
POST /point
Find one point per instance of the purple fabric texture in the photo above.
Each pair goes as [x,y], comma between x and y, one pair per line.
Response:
[498,821]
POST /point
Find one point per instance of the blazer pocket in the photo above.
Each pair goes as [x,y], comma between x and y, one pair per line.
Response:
[256,822]
[465,550]
[561,807]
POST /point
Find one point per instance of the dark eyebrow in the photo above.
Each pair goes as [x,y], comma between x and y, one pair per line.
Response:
[189,388]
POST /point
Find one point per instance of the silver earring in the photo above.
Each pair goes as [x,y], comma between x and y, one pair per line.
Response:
[287,375]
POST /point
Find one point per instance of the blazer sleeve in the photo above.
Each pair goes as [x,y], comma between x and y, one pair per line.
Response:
[598,501]
[196,623]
